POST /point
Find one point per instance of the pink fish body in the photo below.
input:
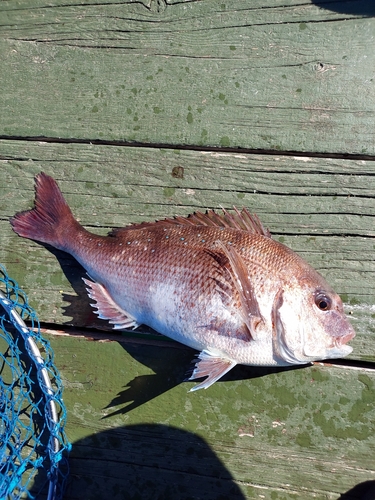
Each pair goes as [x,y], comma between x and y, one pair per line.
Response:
[219,284]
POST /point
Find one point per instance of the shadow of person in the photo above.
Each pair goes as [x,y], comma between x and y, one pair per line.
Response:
[362,491]
[353,7]
[148,462]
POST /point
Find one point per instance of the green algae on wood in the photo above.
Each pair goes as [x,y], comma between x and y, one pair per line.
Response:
[127,403]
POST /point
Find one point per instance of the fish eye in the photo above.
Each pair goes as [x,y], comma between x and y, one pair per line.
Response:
[323,302]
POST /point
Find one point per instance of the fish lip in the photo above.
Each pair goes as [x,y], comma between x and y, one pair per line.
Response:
[339,347]
[341,341]
[333,351]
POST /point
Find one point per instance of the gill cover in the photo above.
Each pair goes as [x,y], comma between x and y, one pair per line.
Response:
[304,332]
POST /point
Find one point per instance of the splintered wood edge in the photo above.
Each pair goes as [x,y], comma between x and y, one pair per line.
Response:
[102,336]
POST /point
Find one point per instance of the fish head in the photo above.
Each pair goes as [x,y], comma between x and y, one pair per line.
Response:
[309,322]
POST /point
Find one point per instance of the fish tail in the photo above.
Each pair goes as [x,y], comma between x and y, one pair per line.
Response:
[51,220]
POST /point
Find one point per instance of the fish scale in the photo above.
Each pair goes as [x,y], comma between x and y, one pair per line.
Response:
[217,283]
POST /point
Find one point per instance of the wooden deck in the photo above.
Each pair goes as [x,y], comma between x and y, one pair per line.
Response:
[146,109]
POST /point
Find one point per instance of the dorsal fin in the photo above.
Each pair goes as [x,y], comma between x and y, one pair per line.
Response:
[242,220]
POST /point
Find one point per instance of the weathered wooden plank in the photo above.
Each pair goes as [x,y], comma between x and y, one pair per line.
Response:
[145,179]
[138,433]
[251,74]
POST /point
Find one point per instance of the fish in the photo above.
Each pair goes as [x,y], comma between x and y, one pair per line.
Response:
[216,282]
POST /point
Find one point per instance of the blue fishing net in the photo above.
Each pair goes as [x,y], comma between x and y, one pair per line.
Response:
[33,444]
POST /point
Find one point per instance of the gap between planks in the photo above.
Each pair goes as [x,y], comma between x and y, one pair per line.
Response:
[190,147]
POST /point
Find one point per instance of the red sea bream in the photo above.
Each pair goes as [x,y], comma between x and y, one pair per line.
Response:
[217,283]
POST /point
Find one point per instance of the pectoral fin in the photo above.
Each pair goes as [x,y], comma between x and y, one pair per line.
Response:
[249,310]
[107,307]
[212,367]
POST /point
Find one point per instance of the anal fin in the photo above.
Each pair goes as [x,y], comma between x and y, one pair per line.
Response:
[107,307]
[212,367]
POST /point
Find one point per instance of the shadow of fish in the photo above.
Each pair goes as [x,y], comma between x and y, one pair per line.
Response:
[217,283]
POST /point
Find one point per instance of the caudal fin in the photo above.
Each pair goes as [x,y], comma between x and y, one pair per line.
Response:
[51,220]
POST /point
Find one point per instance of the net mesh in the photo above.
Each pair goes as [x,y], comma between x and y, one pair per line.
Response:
[33,443]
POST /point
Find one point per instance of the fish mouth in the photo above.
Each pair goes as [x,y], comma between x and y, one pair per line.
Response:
[345,339]
[337,349]
[341,331]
